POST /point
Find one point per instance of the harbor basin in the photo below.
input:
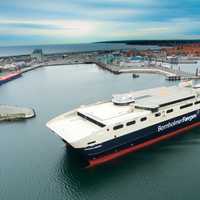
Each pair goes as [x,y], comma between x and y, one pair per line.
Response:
[35,163]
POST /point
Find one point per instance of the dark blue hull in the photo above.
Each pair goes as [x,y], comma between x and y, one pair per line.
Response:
[143,136]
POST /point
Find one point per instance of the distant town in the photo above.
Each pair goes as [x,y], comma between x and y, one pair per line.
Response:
[159,60]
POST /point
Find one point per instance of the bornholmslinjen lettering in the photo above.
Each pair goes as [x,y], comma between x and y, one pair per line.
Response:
[177,122]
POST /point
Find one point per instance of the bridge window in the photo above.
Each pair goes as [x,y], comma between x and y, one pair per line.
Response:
[197,102]
[118,127]
[130,123]
[91,120]
[177,101]
[186,106]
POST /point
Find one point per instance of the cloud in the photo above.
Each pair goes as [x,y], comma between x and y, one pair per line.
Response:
[77,21]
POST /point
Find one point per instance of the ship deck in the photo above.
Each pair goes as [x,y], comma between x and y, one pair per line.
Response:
[145,101]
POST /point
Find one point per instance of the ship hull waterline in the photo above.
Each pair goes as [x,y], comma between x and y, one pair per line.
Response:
[118,147]
[105,159]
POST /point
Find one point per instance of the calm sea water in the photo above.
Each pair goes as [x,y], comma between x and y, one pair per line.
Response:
[35,165]
[22,50]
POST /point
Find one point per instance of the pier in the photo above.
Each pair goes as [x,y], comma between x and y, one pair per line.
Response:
[170,74]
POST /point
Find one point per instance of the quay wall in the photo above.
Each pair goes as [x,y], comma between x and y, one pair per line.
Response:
[119,69]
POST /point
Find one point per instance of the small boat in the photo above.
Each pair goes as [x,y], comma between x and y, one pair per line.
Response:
[135,76]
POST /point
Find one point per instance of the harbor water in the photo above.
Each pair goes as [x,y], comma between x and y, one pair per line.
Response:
[35,164]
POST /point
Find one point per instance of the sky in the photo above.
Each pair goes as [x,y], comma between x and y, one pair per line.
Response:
[32,22]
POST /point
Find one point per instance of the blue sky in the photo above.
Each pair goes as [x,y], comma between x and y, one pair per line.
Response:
[27,22]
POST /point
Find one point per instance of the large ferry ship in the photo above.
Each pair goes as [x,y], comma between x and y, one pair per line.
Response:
[107,130]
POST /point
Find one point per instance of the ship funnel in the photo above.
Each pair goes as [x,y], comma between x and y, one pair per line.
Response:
[123,99]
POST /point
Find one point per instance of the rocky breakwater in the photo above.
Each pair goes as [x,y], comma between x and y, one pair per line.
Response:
[12,113]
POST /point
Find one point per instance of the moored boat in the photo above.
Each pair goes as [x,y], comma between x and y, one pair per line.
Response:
[135,76]
[10,76]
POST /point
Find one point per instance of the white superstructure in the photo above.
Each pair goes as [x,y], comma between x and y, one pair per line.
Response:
[92,125]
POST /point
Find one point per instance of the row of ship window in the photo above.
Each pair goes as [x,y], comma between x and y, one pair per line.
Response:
[129,123]
[156,115]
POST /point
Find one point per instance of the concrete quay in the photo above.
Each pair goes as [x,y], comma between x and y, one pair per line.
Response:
[115,68]
[12,113]
[33,67]
[153,69]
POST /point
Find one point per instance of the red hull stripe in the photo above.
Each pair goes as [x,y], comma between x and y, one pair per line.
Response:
[123,152]
[9,76]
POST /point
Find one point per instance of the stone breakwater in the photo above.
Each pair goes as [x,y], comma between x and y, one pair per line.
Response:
[11,113]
